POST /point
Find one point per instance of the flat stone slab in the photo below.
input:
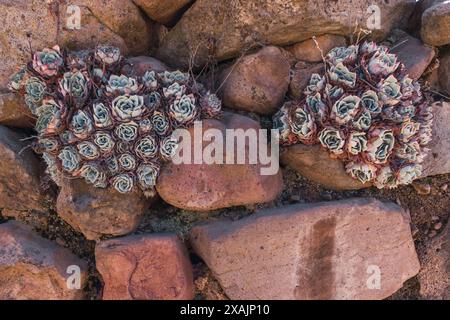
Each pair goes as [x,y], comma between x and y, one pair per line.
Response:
[328,250]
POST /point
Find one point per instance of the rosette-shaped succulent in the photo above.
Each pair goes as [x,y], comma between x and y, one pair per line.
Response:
[48,62]
[125,108]
[184,110]
[107,128]
[367,112]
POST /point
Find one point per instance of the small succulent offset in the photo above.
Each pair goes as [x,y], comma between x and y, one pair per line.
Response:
[110,129]
[365,111]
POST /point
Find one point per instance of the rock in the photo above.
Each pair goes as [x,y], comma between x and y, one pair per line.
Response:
[314,162]
[19,174]
[300,76]
[413,53]
[257,83]
[204,187]
[145,267]
[422,188]
[415,20]
[14,112]
[35,268]
[444,72]
[224,28]
[328,250]
[438,159]
[435,24]
[96,212]
[137,66]
[307,50]
[434,276]
[35,23]
[163,11]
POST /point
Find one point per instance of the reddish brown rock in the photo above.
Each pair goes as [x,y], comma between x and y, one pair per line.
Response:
[145,267]
[434,276]
[308,51]
[137,66]
[300,76]
[163,11]
[257,83]
[14,112]
[35,22]
[314,163]
[19,173]
[436,24]
[438,159]
[35,268]
[444,72]
[328,250]
[96,211]
[204,187]
[413,53]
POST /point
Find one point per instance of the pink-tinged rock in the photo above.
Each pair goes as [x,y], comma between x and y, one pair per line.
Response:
[204,187]
[436,24]
[138,66]
[314,163]
[14,112]
[413,53]
[96,212]
[20,171]
[434,276]
[163,11]
[145,267]
[257,83]
[308,51]
[328,250]
[438,159]
[444,72]
[35,268]
[300,76]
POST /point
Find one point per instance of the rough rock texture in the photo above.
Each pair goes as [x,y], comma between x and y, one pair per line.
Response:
[118,22]
[145,267]
[436,25]
[235,25]
[96,211]
[300,75]
[257,83]
[308,51]
[413,53]
[19,174]
[137,66]
[438,160]
[434,276]
[35,268]
[205,187]
[163,11]
[328,250]
[314,163]
[14,112]
[444,72]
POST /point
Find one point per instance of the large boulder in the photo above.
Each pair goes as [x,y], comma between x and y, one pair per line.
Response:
[435,24]
[20,170]
[256,83]
[96,212]
[204,187]
[224,28]
[35,268]
[163,11]
[14,112]
[26,25]
[145,267]
[350,249]
[309,52]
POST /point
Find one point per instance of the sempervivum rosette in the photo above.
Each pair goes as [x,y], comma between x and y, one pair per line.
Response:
[366,111]
[110,129]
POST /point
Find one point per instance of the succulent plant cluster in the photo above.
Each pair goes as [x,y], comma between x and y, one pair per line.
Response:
[95,123]
[366,111]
